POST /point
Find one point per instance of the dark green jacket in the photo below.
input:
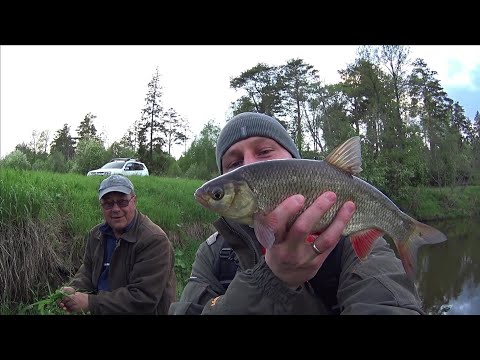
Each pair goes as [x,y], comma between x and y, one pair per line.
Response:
[378,285]
[141,272]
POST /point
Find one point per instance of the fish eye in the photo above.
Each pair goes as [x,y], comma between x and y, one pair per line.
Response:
[217,193]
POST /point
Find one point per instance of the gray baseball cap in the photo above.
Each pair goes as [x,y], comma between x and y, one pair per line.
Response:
[118,183]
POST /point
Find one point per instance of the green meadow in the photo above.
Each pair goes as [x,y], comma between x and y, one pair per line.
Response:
[45,216]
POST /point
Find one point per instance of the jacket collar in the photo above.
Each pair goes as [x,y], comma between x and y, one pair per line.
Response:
[129,234]
[242,240]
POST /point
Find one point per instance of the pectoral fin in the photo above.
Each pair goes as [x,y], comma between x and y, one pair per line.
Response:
[264,229]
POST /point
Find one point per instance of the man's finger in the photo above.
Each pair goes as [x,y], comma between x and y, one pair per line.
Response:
[329,238]
[306,221]
[280,216]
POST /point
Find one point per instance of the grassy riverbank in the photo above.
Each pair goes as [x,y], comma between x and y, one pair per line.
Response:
[440,203]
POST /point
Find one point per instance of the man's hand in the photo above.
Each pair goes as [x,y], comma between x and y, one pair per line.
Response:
[75,301]
[294,260]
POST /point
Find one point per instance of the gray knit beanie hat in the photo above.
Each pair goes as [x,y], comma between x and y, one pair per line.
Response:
[250,124]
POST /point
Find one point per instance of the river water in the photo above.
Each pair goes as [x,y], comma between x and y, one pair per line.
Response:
[448,275]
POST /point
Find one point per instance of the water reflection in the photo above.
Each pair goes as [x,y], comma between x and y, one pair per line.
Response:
[448,277]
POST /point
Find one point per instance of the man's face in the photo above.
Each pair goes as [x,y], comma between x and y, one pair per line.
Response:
[118,217]
[252,150]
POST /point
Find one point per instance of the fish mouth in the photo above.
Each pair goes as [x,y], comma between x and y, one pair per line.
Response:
[200,196]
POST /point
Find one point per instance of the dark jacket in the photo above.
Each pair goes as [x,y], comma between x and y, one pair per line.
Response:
[141,272]
[378,285]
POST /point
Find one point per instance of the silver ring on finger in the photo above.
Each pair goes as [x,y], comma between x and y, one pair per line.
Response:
[316,249]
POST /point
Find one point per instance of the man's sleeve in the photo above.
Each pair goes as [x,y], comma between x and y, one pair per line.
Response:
[202,285]
[378,285]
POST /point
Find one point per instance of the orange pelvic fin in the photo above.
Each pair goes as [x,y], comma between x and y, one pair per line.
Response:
[362,241]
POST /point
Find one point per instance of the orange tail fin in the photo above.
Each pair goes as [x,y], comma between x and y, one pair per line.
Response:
[422,234]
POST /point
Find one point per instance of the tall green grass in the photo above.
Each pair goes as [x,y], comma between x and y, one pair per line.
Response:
[440,203]
[41,195]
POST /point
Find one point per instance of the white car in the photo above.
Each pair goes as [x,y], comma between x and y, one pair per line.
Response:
[121,166]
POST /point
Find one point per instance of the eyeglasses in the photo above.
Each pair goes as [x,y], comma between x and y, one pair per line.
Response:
[107,205]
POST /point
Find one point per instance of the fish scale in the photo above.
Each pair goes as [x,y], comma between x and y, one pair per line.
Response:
[274,181]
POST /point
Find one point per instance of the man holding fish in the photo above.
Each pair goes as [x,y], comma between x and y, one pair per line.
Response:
[305,236]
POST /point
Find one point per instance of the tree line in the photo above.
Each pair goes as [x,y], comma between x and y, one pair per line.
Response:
[412,133]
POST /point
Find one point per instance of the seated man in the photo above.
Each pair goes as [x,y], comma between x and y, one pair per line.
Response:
[128,266]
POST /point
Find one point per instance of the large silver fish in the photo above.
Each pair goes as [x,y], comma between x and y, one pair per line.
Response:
[248,193]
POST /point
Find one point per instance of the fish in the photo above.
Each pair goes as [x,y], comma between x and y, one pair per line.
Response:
[248,193]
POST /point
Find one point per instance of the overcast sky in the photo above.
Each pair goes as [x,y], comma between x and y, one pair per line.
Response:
[44,87]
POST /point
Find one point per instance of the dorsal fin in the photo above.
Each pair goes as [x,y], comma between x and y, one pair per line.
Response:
[347,156]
